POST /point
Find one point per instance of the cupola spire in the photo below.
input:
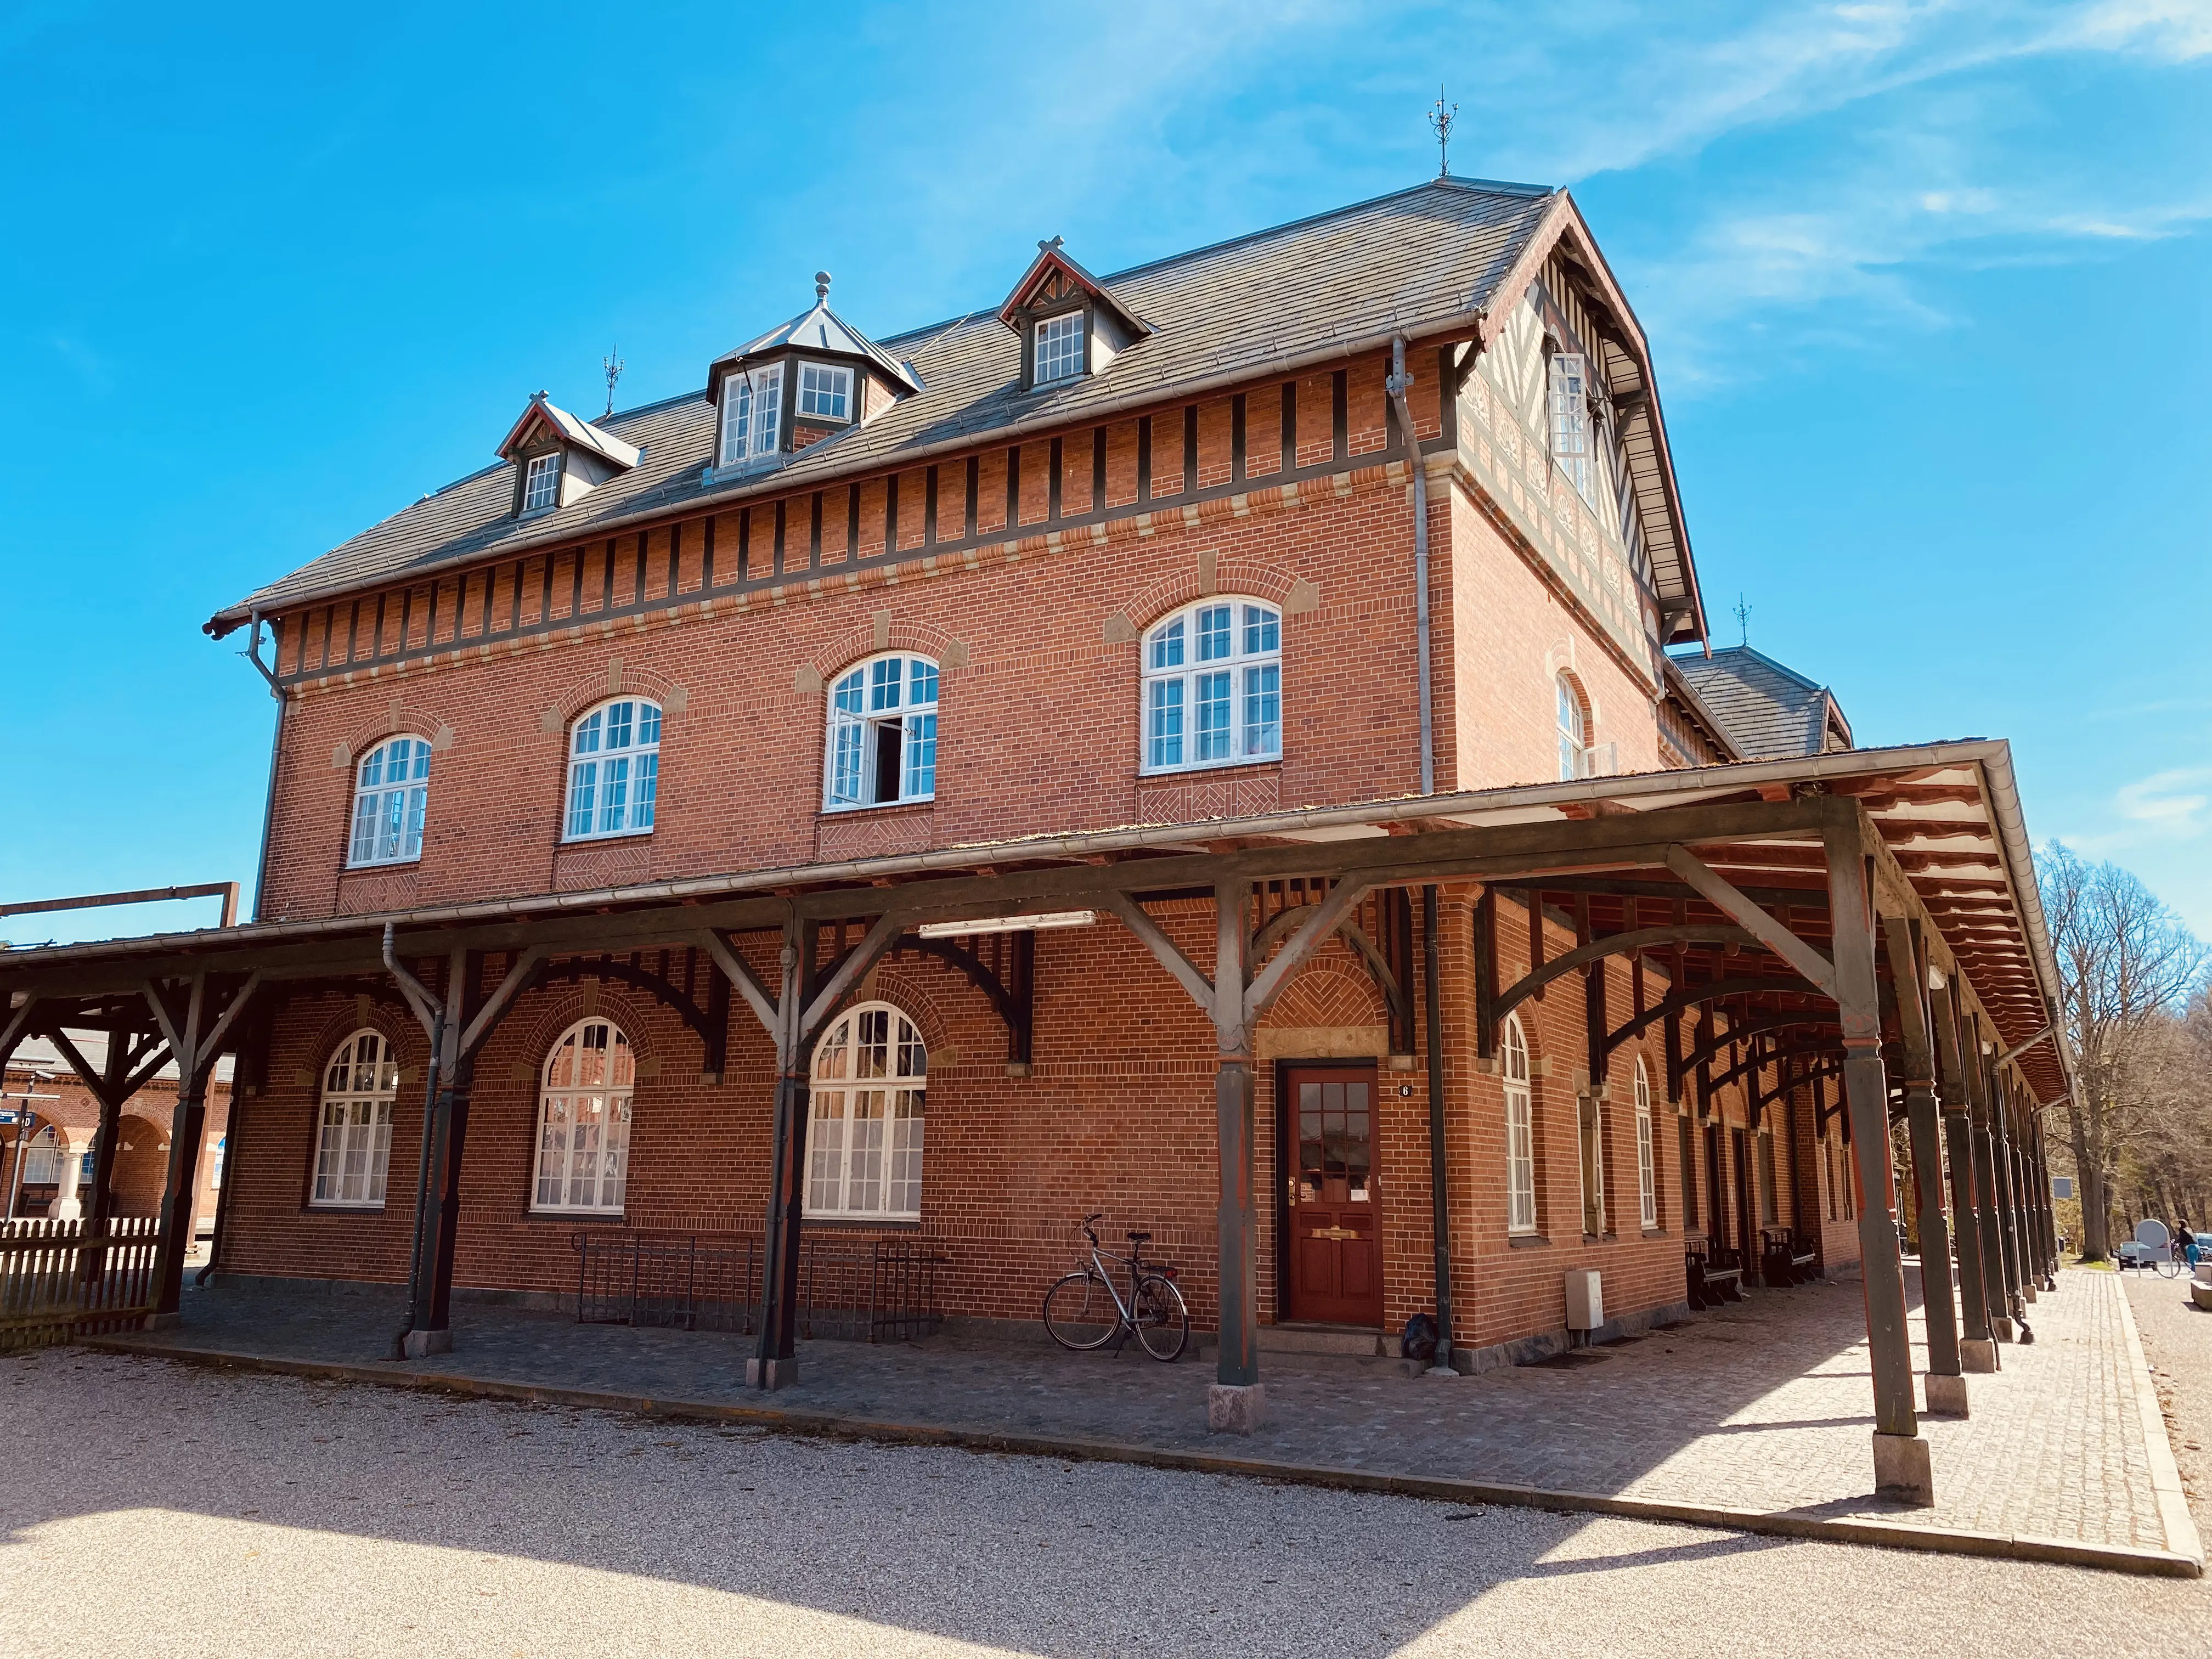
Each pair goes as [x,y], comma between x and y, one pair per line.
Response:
[820,287]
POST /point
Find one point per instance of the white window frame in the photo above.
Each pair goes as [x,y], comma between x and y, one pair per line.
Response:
[44,1156]
[752,414]
[831,384]
[889,698]
[869,1109]
[1647,1154]
[581,1165]
[1590,1155]
[598,765]
[1192,665]
[1568,381]
[1520,1130]
[1051,338]
[1573,726]
[390,799]
[541,483]
[353,1125]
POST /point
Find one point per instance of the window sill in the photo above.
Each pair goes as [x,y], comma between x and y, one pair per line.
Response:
[612,834]
[843,809]
[328,1208]
[1253,762]
[857,1222]
[749,468]
[1527,1241]
[384,864]
[1655,1232]
[613,1217]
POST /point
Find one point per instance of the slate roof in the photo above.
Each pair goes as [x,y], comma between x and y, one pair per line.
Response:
[582,433]
[1418,261]
[1770,712]
[821,329]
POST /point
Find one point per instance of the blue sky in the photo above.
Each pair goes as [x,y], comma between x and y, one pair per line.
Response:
[1925,284]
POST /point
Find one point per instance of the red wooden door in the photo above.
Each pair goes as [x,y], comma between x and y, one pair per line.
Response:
[1335,1255]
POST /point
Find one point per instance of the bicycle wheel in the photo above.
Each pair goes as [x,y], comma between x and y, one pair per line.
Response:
[1079,1312]
[1162,1322]
[2169,1267]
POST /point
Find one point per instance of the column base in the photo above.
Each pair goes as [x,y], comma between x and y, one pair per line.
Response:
[2028,1290]
[2050,1282]
[769,1374]
[164,1322]
[1946,1395]
[1976,1354]
[1232,1408]
[2001,1328]
[1902,1472]
[421,1345]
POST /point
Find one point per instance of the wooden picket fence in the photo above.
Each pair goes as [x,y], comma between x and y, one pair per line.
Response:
[59,1281]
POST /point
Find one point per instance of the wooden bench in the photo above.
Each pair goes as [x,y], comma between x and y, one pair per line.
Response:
[1786,1258]
[1715,1276]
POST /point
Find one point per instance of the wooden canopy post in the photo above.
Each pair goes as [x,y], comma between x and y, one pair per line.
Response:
[131,1060]
[2021,1269]
[2043,1206]
[1986,1219]
[1978,1348]
[1946,1384]
[195,1035]
[1901,1465]
[2001,1188]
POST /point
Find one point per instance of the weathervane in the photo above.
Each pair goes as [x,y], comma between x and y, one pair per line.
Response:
[1440,122]
[1743,619]
[614,365]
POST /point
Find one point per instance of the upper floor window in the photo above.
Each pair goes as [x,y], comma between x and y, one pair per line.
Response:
[1574,732]
[353,1141]
[752,413]
[391,792]
[1571,446]
[1213,686]
[882,733]
[541,483]
[1059,347]
[1520,1131]
[614,770]
[864,1145]
[583,1121]
[825,391]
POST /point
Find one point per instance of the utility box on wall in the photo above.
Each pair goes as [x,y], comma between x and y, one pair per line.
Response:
[1585,1300]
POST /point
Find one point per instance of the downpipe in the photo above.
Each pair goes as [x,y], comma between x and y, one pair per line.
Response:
[1397,386]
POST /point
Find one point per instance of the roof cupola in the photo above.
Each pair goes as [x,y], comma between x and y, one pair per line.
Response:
[811,378]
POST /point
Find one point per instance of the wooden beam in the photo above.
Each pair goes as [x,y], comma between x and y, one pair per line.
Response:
[1165,950]
[870,951]
[1327,916]
[1701,933]
[735,970]
[1769,932]
[519,974]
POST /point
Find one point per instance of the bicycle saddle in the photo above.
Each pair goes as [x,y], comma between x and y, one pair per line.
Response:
[1140,1238]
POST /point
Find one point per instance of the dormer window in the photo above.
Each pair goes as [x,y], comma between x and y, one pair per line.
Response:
[541,486]
[825,391]
[752,414]
[1060,348]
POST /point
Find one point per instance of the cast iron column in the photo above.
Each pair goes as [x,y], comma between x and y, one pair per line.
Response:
[1237,1400]
[775,1364]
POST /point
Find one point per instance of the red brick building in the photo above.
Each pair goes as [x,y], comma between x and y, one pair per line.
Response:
[1290,617]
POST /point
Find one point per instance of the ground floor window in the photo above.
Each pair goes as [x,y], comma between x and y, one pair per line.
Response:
[353,1140]
[1520,1134]
[1647,1161]
[1591,1138]
[583,1121]
[864,1141]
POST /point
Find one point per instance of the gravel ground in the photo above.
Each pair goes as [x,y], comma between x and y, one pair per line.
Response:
[160,1509]
[2177,1338]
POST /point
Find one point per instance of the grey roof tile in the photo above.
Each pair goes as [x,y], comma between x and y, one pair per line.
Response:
[1412,260]
[1771,712]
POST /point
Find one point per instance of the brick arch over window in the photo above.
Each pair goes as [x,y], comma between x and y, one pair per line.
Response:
[1328,995]
[617,679]
[1244,578]
[881,632]
[906,989]
[397,719]
[386,1015]
[629,1012]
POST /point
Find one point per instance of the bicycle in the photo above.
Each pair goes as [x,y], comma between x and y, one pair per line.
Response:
[2173,1259]
[1154,1314]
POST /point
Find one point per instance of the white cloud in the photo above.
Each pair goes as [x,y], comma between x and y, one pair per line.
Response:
[2170,803]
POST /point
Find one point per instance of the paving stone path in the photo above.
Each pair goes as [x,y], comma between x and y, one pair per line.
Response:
[1764,1405]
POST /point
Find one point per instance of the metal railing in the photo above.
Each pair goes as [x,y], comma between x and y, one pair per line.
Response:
[878,1290]
[59,1280]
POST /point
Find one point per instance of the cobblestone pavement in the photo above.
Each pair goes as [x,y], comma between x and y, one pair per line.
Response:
[1764,1406]
[150,1508]
[2177,1338]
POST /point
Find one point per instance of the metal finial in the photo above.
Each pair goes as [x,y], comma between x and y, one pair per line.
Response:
[614,365]
[1743,619]
[1440,122]
[1051,244]
[538,396]
[821,286]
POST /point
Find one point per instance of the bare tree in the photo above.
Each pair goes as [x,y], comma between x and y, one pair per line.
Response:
[2127,968]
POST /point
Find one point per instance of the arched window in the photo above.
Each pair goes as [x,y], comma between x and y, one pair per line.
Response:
[1519,1133]
[45,1158]
[353,1141]
[391,788]
[1574,733]
[583,1121]
[864,1145]
[614,770]
[1590,1141]
[883,734]
[1647,1165]
[1213,686]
